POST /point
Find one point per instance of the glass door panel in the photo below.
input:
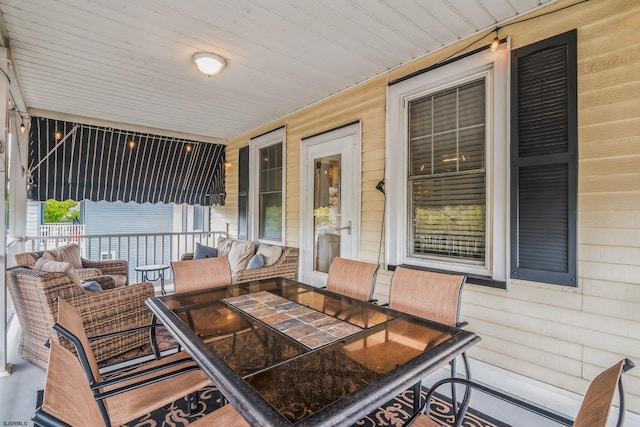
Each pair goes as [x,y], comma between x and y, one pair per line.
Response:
[327,213]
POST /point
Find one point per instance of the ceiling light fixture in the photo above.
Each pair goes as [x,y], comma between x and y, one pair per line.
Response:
[209,63]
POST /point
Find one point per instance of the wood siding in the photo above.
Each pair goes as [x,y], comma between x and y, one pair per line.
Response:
[560,335]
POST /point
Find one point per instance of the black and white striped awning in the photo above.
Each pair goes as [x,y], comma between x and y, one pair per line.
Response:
[76,161]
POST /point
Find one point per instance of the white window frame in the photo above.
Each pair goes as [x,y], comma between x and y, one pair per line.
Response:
[255,145]
[495,67]
[107,255]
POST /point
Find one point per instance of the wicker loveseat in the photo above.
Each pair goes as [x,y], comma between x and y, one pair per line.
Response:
[33,293]
[112,267]
[285,266]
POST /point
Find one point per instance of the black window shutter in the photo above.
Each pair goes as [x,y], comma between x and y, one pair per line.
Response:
[243,193]
[544,161]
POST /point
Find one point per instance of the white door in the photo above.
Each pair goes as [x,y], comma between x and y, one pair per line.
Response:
[330,202]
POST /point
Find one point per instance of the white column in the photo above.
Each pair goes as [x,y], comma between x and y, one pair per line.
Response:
[4,97]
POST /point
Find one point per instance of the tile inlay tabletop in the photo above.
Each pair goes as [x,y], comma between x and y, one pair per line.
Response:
[305,325]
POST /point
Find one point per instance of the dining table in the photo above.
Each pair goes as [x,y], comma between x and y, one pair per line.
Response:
[285,353]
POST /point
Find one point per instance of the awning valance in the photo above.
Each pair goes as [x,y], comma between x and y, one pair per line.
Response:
[76,161]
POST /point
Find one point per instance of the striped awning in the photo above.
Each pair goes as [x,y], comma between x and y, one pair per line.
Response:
[76,161]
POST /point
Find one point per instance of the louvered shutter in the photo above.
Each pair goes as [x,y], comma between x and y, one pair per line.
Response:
[544,161]
[243,193]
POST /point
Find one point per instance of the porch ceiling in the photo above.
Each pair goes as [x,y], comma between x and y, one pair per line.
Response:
[130,61]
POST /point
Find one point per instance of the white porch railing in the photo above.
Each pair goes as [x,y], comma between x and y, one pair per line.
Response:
[138,249]
[61,229]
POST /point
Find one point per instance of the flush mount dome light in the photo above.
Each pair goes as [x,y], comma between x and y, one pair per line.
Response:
[209,63]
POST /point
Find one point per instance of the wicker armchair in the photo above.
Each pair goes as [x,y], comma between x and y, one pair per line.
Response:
[112,267]
[33,293]
[286,266]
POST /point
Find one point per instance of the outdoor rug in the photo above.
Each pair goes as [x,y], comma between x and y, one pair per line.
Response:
[394,413]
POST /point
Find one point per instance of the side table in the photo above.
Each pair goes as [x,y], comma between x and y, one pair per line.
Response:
[158,269]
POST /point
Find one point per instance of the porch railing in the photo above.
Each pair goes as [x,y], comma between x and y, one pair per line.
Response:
[61,229]
[138,249]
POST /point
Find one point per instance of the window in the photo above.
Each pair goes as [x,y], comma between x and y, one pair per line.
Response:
[446,177]
[267,186]
[198,218]
[447,182]
[107,255]
[544,156]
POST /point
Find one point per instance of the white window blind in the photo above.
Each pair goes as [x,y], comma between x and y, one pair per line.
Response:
[447,177]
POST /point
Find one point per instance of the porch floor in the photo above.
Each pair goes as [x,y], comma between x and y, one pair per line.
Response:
[18,392]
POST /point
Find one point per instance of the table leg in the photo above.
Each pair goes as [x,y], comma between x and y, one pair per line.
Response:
[161,277]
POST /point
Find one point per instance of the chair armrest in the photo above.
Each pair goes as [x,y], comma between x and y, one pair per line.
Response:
[109,267]
[26,259]
[286,266]
[187,256]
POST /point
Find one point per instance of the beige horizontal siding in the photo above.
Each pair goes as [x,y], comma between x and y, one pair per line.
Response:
[560,335]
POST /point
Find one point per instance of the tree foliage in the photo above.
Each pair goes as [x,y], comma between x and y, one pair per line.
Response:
[65,211]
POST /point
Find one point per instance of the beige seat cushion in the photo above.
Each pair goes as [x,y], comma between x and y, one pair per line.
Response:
[44,264]
[271,253]
[120,280]
[240,254]
[69,253]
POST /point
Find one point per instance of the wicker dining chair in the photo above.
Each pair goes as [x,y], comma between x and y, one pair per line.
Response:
[200,274]
[352,278]
[594,410]
[159,381]
[68,399]
[433,296]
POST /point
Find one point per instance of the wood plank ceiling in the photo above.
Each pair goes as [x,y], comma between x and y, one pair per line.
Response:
[130,61]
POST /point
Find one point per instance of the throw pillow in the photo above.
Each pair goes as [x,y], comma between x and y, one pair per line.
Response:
[203,251]
[270,253]
[240,254]
[69,253]
[92,286]
[105,282]
[44,264]
[224,246]
[256,261]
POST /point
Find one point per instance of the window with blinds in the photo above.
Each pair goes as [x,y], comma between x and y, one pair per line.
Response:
[270,192]
[447,176]
[544,150]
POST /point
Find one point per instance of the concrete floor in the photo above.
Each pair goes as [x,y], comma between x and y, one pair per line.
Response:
[18,390]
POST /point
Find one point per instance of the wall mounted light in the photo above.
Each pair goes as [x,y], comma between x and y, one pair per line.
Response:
[23,128]
[209,63]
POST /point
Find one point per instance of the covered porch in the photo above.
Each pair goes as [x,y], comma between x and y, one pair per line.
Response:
[301,77]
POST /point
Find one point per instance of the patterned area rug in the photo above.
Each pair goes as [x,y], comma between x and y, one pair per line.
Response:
[394,413]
